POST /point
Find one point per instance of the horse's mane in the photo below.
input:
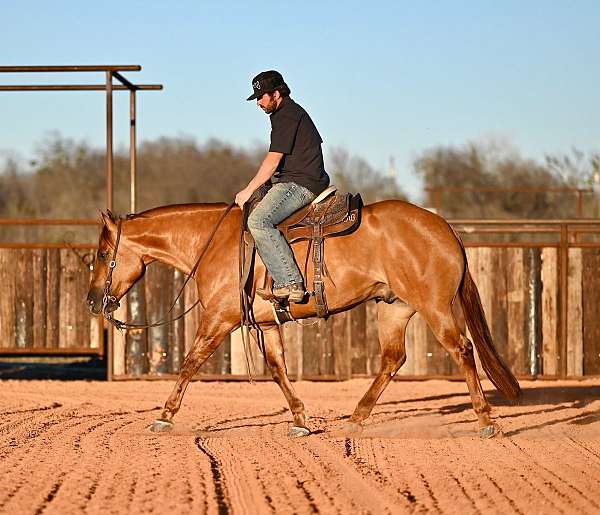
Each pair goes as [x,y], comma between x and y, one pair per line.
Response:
[178,209]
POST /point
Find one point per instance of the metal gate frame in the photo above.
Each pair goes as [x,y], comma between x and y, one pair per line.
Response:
[111,72]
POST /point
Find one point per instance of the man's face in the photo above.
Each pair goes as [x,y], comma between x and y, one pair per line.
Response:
[268,102]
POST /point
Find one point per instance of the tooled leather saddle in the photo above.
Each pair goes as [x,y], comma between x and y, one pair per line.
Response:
[331,214]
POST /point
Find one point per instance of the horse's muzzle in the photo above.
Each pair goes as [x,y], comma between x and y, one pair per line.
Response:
[94,303]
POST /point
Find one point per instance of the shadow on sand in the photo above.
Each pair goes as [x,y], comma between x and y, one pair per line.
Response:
[52,368]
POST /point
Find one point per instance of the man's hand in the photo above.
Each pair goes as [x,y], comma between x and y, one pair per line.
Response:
[242,197]
[265,172]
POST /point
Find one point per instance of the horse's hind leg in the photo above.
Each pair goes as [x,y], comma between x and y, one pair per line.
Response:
[445,328]
[391,321]
[276,361]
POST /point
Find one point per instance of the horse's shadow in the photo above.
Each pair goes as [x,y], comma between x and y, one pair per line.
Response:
[554,399]
[549,399]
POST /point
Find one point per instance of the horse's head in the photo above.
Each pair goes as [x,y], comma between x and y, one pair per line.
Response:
[127,266]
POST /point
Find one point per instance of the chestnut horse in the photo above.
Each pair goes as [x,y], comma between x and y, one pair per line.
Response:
[404,257]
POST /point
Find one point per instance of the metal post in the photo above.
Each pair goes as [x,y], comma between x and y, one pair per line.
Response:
[564,296]
[109,141]
[132,152]
[109,200]
[136,342]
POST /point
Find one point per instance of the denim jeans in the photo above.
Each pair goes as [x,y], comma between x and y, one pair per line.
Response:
[281,201]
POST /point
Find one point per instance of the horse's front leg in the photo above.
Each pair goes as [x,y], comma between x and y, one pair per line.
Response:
[276,361]
[208,337]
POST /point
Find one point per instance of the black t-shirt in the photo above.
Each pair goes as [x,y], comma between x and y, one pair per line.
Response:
[294,134]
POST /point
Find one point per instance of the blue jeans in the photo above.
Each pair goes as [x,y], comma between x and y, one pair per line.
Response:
[281,201]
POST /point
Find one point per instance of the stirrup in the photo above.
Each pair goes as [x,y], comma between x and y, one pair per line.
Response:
[282,312]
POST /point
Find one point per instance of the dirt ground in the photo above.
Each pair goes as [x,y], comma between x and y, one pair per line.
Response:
[83,447]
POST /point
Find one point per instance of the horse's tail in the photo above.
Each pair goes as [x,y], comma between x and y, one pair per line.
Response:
[493,364]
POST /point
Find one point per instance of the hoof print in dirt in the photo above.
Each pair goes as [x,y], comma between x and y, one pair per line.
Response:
[489,432]
[161,426]
[298,432]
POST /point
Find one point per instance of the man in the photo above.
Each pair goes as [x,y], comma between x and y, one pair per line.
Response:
[294,163]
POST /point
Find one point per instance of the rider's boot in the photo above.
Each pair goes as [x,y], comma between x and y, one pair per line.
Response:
[294,292]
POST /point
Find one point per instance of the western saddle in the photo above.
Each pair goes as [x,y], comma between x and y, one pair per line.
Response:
[330,214]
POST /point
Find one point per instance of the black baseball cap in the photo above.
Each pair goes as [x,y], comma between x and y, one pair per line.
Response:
[265,82]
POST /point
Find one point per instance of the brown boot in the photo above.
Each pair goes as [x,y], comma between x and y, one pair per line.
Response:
[294,292]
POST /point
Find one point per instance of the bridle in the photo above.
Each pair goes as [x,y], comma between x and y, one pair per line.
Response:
[108,297]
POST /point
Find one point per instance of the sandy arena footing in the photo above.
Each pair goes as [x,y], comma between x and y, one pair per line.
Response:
[84,447]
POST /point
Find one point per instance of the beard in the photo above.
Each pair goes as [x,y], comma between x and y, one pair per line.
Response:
[271,106]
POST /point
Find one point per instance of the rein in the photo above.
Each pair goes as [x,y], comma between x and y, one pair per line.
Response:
[108,297]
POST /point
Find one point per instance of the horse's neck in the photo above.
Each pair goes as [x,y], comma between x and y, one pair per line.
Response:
[168,239]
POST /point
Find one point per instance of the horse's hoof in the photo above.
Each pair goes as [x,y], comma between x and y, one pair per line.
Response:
[489,432]
[352,428]
[161,426]
[298,432]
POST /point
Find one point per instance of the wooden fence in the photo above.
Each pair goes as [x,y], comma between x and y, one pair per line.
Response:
[42,305]
[541,299]
[520,292]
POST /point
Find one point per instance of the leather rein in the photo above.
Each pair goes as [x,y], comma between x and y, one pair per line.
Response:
[109,297]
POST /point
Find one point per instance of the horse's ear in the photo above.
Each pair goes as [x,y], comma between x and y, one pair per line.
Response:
[107,219]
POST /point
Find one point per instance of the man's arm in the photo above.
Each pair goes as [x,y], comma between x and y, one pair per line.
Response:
[265,172]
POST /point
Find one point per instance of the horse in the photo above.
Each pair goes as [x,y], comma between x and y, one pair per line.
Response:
[404,257]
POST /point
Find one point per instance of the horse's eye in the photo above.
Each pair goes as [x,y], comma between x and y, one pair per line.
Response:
[102,255]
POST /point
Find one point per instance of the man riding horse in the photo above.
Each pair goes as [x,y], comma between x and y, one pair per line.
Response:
[420,266]
[294,164]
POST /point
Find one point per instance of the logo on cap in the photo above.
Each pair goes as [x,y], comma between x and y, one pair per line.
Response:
[256,85]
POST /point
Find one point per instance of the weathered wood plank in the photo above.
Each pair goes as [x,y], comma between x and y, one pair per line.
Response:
[311,348]
[24,299]
[325,339]
[96,333]
[177,328]
[418,334]
[158,289]
[69,269]
[342,344]
[291,332]
[136,340]
[238,361]
[7,299]
[533,302]
[40,275]
[357,336]
[238,357]
[575,315]
[591,311]
[550,312]
[53,298]
[82,314]
[515,284]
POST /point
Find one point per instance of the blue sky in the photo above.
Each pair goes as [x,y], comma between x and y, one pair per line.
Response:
[379,78]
